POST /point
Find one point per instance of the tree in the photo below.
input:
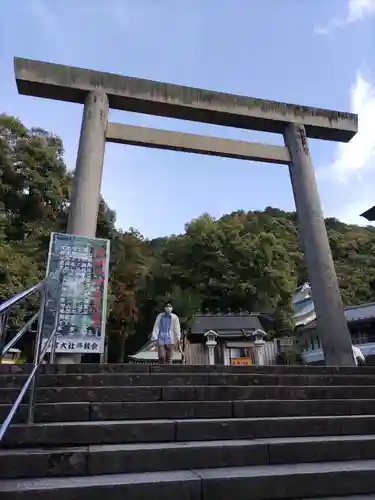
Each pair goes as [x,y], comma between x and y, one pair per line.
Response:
[128,269]
[34,201]
[17,272]
[235,269]
[34,187]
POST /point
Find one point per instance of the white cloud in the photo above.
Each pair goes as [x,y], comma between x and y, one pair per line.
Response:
[354,159]
[357,10]
[352,172]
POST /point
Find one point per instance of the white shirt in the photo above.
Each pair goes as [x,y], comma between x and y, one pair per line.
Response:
[175,329]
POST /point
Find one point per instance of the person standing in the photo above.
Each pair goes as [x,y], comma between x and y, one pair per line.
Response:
[166,333]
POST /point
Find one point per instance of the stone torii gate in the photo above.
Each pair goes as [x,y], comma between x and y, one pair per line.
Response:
[98,91]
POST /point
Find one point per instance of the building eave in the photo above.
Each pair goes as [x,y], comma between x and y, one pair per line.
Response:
[369,214]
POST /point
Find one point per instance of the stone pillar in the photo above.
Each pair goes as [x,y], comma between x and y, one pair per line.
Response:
[211,353]
[84,203]
[331,322]
[226,356]
[85,197]
[259,352]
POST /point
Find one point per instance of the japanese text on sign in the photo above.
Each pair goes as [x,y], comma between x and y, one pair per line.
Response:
[82,303]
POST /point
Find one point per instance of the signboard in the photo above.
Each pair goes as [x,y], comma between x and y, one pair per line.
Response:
[286,341]
[82,304]
[241,361]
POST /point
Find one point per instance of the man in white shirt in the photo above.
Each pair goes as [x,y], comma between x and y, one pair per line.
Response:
[167,334]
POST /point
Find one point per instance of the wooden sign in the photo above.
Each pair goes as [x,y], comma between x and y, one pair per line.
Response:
[241,361]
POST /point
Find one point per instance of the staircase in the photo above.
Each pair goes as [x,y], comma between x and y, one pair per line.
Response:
[140,432]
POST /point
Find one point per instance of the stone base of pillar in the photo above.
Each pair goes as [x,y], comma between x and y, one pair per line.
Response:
[211,355]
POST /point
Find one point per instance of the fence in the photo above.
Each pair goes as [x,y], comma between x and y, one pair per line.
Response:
[271,352]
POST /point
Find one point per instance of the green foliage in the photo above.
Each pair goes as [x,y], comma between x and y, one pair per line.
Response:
[243,261]
[17,272]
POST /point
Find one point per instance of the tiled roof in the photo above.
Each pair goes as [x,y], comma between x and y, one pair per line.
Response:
[225,323]
[149,353]
[361,312]
[369,214]
[304,309]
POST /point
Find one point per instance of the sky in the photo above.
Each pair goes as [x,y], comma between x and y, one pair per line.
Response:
[310,52]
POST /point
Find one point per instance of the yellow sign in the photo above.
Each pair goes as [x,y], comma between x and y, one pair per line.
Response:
[241,361]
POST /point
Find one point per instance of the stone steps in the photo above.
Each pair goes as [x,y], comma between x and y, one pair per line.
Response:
[192,433]
[150,457]
[95,368]
[67,412]
[164,430]
[223,392]
[187,379]
[262,482]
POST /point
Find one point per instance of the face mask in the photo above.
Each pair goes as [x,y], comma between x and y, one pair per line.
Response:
[168,310]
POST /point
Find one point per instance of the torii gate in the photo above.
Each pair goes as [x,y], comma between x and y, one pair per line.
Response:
[98,91]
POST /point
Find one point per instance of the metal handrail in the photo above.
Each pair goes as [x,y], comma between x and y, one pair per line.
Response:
[8,304]
[29,382]
[39,353]
[20,334]
[5,308]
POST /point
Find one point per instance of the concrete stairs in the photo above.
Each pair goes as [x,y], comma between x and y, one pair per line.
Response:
[139,432]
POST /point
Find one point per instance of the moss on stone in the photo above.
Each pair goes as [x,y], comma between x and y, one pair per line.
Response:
[165,93]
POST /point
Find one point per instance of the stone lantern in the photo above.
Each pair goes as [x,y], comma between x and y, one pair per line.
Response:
[211,343]
[259,342]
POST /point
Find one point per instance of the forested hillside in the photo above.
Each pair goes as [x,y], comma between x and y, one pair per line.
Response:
[242,261]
